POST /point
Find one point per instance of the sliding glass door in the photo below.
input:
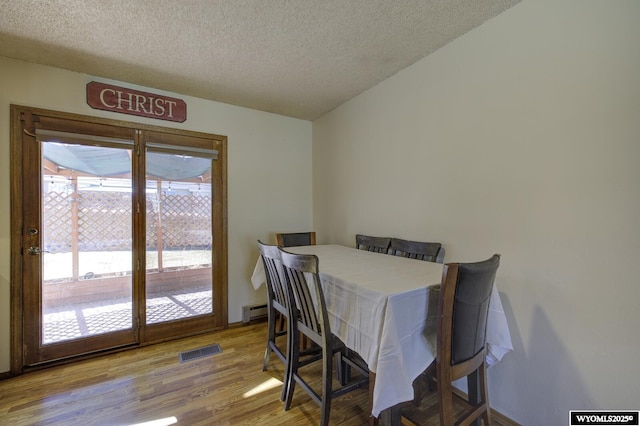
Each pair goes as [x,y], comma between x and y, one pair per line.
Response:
[87,255]
[122,235]
[179,231]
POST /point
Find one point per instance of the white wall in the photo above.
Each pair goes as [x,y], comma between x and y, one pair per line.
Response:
[269,157]
[522,137]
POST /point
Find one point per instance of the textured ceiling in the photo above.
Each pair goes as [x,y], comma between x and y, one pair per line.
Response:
[299,58]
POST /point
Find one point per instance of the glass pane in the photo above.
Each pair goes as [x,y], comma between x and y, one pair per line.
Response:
[179,237]
[87,241]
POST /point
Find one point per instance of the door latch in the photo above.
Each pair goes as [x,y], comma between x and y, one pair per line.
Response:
[36,250]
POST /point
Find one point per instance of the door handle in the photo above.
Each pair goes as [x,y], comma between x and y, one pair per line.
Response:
[36,250]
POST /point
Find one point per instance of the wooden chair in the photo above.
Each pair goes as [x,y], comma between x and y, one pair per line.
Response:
[431,252]
[375,244]
[277,304]
[463,309]
[294,239]
[312,322]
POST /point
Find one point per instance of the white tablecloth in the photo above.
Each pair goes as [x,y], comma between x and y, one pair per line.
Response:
[385,308]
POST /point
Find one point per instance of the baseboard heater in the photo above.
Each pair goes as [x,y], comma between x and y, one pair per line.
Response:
[254,312]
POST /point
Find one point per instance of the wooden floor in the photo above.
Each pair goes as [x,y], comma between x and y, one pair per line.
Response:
[147,384]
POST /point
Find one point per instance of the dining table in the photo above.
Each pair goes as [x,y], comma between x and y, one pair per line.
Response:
[385,308]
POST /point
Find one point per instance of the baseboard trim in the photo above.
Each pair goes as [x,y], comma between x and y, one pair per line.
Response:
[496,415]
[504,420]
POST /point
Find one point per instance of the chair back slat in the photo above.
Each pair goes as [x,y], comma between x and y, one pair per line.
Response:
[296,239]
[270,256]
[308,315]
[276,281]
[431,252]
[374,244]
[308,294]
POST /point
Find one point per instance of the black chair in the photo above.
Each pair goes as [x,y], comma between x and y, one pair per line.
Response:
[463,310]
[375,244]
[431,252]
[313,323]
[277,304]
[295,239]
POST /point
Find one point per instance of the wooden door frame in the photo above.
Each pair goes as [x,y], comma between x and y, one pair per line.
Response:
[219,207]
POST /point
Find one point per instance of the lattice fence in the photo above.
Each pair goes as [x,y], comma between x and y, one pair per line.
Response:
[184,221]
[58,225]
[104,221]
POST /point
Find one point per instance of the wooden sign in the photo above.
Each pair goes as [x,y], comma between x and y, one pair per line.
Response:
[134,102]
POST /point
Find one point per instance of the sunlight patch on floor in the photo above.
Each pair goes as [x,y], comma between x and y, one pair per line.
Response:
[264,386]
[159,422]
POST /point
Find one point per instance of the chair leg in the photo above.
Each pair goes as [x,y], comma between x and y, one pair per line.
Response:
[343,370]
[267,355]
[281,321]
[327,374]
[271,337]
[420,386]
[484,394]
[426,379]
[287,367]
[445,401]
[293,358]
[478,394]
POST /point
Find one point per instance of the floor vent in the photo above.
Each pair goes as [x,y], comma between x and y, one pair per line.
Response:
[200,352]
[253,312]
